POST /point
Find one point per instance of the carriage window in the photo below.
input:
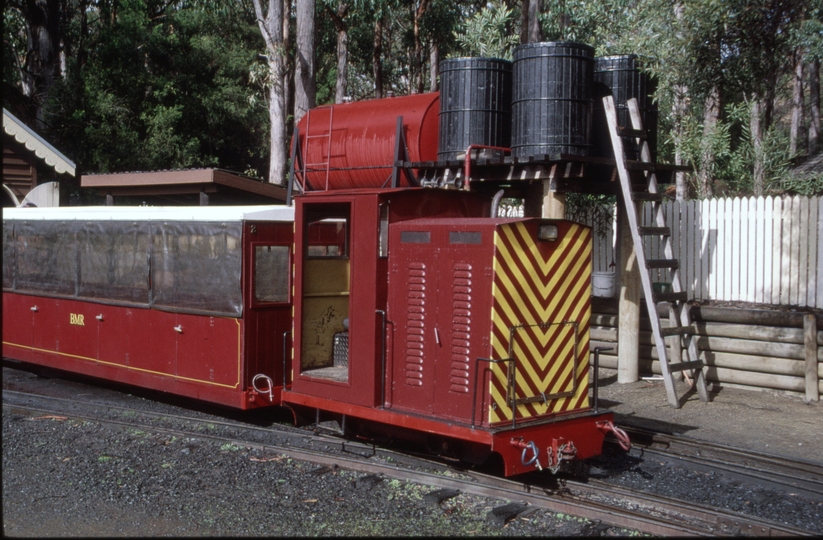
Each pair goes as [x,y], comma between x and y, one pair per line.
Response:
[114,261]
[46,257]
[327,238]
[197,266]
[271,273]
[465,237]
[415,237]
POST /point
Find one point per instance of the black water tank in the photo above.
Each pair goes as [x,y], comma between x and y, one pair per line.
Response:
[621,77]
[552,99]
[475,105]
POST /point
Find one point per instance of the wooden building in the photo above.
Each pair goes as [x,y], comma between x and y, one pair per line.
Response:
[28,161]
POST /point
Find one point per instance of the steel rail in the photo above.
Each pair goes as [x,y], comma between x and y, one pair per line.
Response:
[676,519]
[803,477]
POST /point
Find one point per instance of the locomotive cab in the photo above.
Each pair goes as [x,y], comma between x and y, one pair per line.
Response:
[416,317]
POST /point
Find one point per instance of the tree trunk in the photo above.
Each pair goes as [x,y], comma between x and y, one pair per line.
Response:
[534,21]
[40,67]
[271,26]
[341,85]
[524,21]
[304,81]
[756,128]
[377,54]
[342,27]
[814,107]
[711,116]
[288,71]
[797,104]
[434,62]
[417,68]
[679,107]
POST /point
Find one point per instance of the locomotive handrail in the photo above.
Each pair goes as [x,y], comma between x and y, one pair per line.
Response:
[285,357]
[596,385]
[474,389]
[383,362]
[468,163]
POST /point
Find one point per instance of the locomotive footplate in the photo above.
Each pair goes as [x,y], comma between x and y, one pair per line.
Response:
[534,445]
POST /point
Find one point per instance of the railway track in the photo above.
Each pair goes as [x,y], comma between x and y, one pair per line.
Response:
[802,477]
[600,502]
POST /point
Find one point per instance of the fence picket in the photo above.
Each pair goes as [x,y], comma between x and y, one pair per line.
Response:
[755,249]
[777,228]
[751,266]
[740,247]
[760,254]
[703,288]
[713,233]
[819,301]
[802,270]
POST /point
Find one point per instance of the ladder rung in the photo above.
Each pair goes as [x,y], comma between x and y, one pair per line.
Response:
[662,263]
[639,165]
[629,132]
[681,296]
[677,331]
[654,231]
[646,196]
[683,366]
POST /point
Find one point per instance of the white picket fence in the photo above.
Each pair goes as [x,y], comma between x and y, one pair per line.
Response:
[760,249]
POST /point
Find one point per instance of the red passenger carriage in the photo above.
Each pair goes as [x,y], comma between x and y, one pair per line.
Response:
[192,301]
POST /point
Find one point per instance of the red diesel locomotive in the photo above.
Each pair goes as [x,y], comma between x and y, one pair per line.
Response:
[399,312]
[404,312]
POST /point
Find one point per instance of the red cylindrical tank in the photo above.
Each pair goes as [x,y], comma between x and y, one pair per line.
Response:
[362,140]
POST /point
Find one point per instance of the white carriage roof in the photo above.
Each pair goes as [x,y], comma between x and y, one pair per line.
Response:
[145,213]
[34,142]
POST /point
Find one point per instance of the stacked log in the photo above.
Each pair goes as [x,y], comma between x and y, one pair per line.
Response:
[753,348]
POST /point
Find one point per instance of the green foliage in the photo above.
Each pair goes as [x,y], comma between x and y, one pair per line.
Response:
[598,23]
[487,33]
[596,210]
[163,87]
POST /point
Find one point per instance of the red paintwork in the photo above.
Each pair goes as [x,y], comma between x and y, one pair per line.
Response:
[369,276]
[363,135]
[433,410]
[213,358]
[444,311]
[581,430]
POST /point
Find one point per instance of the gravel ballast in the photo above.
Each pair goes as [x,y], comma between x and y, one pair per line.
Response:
[64,477]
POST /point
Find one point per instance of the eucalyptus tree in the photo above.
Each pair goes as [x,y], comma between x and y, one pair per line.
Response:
[271,22]
[488,33]
[305,89]
[33,35]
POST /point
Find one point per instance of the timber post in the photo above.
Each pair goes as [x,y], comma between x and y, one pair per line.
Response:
[810,340]
[628,316]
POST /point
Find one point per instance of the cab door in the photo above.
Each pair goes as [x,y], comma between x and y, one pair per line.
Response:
[413,292]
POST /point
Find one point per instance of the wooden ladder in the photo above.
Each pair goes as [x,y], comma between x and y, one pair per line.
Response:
[638,184]
[326,165]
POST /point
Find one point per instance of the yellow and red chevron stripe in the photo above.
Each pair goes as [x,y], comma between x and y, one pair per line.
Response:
[542,298]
